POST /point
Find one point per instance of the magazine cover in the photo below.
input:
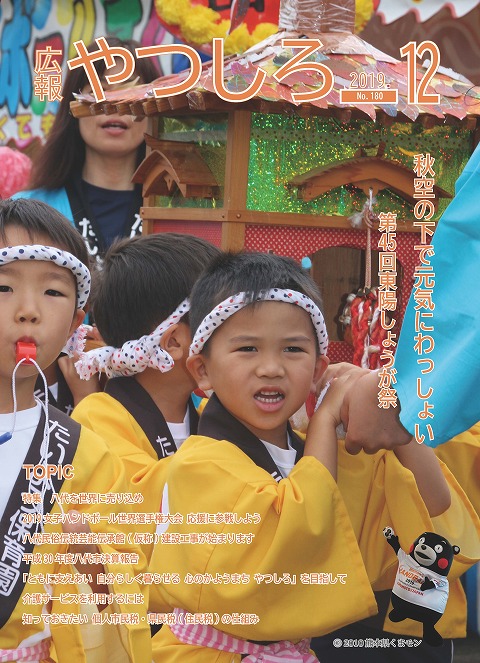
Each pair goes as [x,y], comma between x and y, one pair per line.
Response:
[239,410]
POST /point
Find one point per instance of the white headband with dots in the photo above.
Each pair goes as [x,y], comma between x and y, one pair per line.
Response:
[233,304]
[56,256]
[134,356]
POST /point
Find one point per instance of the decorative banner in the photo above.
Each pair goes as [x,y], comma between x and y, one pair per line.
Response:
[423,9]
[197,22]
[29,28]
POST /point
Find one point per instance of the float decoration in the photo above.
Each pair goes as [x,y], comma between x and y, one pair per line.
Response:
[170,165]
[241,23]
[361,315]
[197,22]
[261,155]
[368,173]
[345,54]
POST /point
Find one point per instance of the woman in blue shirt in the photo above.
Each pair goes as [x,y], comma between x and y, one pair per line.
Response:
[86,165]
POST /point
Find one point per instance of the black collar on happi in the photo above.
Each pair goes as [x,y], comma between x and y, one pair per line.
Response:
[18,525]
[134,398]
[217,422]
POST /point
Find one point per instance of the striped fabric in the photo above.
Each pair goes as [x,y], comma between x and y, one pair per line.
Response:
[207,636]
[33,654]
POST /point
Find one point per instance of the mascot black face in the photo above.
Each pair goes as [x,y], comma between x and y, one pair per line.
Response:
[420,592]
[433,552]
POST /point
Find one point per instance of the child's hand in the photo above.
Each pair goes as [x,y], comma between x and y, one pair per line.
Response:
[336,371]
[332,401]
[321,439]
[79,388]
[93,339]
[368,426]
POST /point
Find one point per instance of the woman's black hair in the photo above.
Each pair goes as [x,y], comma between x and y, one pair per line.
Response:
[63,154]
[143,280]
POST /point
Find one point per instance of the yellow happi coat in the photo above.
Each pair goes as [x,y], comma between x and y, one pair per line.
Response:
[307,525]
[96,472]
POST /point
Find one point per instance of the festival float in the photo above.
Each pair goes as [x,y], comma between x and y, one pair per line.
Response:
[289,173]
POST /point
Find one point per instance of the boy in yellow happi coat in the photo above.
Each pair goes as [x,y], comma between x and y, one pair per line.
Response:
[260,541]
[51,466]
[146,410]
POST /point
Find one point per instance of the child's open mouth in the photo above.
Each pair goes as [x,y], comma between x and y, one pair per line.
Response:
[269,401]
[269,396]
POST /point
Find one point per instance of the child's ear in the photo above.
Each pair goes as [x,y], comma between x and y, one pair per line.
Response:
[171,343]
[198,369]
[176,341]
[320,367]
[78,318]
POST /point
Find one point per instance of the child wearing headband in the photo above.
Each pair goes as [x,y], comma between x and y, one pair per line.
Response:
[141,310]
[278,557]
[48,460]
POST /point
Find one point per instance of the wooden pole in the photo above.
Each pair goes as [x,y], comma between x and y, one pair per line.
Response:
[236,177]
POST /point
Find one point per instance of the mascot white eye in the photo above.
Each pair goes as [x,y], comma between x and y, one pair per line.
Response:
[421,539]
[438,549]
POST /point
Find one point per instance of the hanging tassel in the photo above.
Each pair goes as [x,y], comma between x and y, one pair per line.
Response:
[361,314]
